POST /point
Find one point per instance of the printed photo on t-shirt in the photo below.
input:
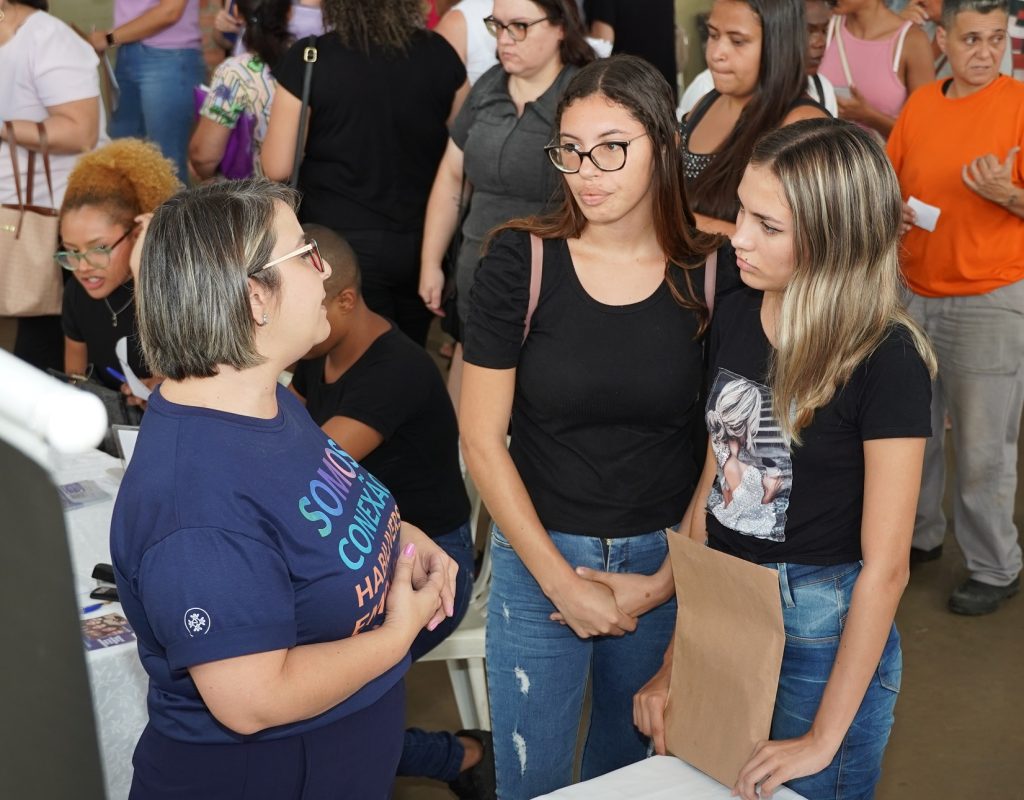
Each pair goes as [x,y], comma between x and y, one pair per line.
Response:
[752,485]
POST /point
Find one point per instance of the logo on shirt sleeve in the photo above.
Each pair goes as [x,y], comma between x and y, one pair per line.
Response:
[197,622]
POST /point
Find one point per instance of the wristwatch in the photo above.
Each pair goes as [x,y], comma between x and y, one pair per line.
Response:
[110,39]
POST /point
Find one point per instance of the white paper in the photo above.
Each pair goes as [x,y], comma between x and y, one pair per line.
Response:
[125,437]
[925,216]
[139,389]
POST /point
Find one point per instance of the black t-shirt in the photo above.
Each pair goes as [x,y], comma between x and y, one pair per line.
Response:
[377,130]
[396,389]
[645,28]
[802,505]
[92,321]
[606,397]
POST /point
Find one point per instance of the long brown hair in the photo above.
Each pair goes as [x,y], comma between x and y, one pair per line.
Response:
[845,294]
[362,24]
[781,79]
[639,88]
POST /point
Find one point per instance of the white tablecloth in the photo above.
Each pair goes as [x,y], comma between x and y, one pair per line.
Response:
[657,778]
[116,677]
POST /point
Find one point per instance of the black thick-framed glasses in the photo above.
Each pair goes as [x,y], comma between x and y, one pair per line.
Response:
[310,248]
[95,257]
[607,156]
[517,29]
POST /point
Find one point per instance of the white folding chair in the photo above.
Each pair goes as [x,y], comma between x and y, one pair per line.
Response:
[463,650]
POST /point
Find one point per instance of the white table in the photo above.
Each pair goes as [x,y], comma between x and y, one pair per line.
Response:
[118,682]
[657,778]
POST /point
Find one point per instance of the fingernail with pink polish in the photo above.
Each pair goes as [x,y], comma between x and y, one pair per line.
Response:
[409,549]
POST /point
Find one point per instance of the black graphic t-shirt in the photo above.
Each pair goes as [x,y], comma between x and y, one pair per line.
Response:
[771,503]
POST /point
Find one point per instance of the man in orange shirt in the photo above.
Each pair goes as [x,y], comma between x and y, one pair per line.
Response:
[956,148]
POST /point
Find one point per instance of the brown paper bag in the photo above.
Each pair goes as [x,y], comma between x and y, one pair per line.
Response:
[727,653]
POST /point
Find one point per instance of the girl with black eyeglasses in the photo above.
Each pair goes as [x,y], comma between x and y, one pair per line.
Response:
[600,375]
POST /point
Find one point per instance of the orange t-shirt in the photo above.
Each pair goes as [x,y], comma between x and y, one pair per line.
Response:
[976,246]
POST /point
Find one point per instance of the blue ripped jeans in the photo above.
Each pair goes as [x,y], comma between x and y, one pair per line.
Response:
[815,602]
[439,754]
[537,670]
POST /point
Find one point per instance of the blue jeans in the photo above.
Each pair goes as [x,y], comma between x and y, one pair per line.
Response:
[439,755]
[156,98]
[537,670]
[815,602]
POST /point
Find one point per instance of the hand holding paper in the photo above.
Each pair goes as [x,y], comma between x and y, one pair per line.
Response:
[774,763]
[728,654]
[649,705]
[139,389]
[925,216]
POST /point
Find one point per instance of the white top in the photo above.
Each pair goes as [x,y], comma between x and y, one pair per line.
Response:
[44,64]
[704,83]
[481,47]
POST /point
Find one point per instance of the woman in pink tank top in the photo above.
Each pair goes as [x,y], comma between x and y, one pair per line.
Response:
[875,60]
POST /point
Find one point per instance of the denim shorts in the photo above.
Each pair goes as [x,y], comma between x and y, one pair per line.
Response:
[815,603]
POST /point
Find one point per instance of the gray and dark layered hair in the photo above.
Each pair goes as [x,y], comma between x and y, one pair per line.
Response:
[201,249]
[950,8]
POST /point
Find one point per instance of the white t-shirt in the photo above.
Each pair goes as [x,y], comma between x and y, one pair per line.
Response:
[481,47]
[704,83]
[44,64]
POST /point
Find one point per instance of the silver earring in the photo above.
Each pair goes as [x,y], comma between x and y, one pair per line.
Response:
[265,320]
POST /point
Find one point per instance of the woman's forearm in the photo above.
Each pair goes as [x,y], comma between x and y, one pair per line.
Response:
[876,596]
[251,693]
[71,128]
[880,122]
[442,215]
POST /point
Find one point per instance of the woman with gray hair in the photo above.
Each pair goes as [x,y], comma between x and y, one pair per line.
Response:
[273,587]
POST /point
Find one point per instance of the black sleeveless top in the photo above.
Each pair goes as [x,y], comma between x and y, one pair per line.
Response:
[695,163]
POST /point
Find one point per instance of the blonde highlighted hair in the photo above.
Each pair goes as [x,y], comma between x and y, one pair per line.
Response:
[125,178]
[845,294]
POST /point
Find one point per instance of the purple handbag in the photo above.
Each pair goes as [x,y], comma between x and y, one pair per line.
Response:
[237,162]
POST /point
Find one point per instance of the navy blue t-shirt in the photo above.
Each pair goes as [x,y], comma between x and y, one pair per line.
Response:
[234,535]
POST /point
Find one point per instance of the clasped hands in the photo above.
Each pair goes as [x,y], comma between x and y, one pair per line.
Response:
[598,603]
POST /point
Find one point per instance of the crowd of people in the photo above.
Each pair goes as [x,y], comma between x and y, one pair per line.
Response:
[749,317]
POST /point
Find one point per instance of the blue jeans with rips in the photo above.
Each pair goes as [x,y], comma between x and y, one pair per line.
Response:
[430,754]
[537,670]
[156,100]
[815,602]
